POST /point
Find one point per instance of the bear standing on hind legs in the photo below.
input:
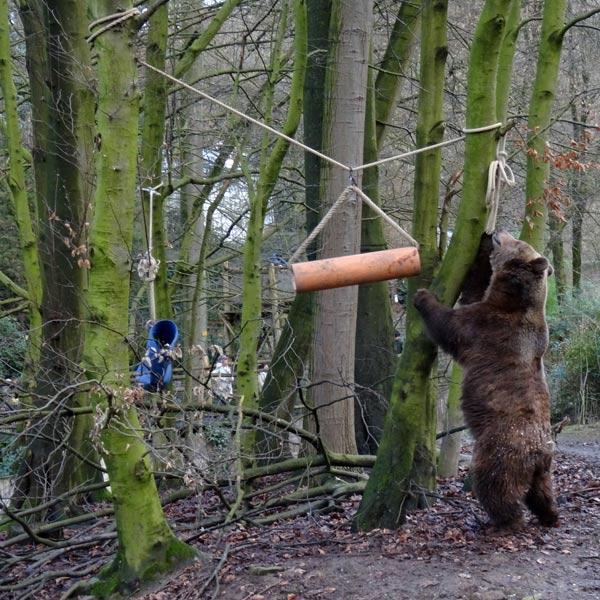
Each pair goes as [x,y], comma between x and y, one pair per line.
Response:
[500,342]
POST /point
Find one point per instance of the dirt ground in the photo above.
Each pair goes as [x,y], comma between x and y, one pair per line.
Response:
[446,552]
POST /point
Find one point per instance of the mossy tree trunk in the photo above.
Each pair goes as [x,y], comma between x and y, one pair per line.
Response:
[406,459]
[293,348]
[451,444]
[540,114]
[545,85]
[146,544]
[59,68]
[332,372]
[19,197]
[271,163]
[53,275]
[375,359]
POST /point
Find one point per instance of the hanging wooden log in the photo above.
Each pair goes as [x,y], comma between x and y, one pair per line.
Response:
[355,269]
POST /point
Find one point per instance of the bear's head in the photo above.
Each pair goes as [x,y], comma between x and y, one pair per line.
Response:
[519,272]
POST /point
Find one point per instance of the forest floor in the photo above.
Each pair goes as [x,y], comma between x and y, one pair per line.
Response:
[446,552]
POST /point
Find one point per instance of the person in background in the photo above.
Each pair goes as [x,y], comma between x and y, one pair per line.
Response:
[262,375]
[399,342]
[221,381]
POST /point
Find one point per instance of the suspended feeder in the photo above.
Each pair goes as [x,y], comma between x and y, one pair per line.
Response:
[354,269]
[155,370]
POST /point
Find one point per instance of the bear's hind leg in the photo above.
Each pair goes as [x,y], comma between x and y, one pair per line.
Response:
[499,481]
[500,498]
[540,497]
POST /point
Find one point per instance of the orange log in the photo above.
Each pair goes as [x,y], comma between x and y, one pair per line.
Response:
[355,269]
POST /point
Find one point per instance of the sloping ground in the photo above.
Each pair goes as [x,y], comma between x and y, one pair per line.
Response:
[446,552]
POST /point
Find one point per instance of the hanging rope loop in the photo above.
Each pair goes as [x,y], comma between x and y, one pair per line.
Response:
[345,195]
[499,175]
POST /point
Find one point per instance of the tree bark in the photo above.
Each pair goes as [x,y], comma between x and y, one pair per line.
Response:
[294,347]
[247,380]
[450,447]
[344,124]
[58,65]
[375,343]
[152,157]
[540,114]
[19,198]
[146,544]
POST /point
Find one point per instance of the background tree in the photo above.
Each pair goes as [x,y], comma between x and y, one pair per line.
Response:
[335,323]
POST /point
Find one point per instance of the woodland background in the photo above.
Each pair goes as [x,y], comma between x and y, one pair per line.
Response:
[104,102]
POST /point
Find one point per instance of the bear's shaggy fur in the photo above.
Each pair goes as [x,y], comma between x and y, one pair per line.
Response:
[500,342]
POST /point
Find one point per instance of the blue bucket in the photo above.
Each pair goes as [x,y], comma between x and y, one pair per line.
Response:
[155,371]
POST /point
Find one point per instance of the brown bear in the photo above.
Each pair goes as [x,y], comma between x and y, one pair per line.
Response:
[500,342]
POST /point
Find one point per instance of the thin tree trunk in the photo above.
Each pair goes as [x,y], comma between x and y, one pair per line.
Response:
[447,465]
[540,113]
[151,163]
[247,379]
[18,195]
[375,344]
[293,349]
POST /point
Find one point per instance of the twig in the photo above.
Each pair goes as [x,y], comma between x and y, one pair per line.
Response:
[215,574]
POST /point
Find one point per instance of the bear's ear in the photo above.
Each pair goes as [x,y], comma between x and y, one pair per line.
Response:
[539,265]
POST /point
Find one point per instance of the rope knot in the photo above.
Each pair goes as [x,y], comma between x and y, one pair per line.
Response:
[147,266]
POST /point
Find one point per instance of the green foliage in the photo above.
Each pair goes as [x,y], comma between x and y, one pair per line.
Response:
[13,344]
[218,437]
[10,459]
[574,365]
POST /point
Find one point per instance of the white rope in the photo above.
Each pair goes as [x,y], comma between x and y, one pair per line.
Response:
[383,215]
[308,148]
[247,117]
[499,174]
[317,230]
[113,21]
[148,265]
[501,161]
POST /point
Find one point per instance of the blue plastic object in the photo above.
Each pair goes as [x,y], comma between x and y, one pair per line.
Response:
[156,369]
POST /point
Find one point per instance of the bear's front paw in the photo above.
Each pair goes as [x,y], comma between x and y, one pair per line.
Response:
[421,298]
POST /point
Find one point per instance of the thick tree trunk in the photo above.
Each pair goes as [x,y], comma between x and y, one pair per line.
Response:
[344,124]
[62,105]
[147,545]
[405,454]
